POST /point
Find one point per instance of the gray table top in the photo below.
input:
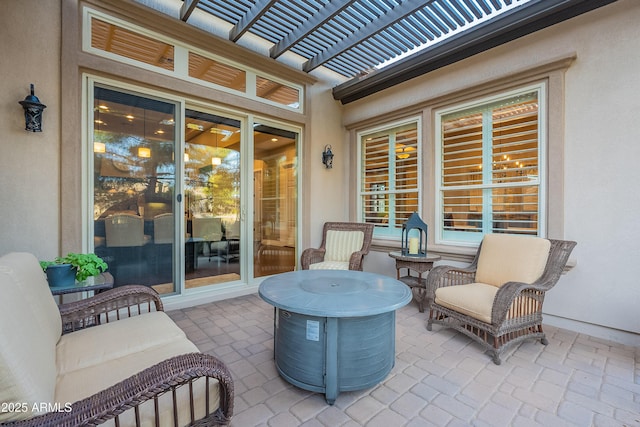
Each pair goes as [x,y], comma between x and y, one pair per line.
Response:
[414,258]
[96,283]
[334,293]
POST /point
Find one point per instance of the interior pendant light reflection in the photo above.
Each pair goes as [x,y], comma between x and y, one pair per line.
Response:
[144,152]
[99,147]
[215,160]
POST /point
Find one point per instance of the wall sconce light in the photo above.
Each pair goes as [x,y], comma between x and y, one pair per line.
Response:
[327,157]
[32,112]
[414,245]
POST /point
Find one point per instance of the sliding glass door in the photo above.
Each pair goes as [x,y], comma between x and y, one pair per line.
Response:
[275,199]
[212,198]
[182,198]
[134,146]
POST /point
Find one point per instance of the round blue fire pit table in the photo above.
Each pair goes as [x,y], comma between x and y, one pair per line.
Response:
[334,330]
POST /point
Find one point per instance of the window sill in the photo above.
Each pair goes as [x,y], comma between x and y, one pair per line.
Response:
[463,254]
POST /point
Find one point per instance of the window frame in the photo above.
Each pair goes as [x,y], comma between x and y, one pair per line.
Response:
[541,89]
[181,61]
[390,233]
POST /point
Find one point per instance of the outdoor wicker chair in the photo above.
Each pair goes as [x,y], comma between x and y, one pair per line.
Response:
[343,247]
[497,300]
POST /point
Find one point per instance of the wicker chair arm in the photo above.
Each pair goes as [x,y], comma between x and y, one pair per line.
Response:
[75,315]
[311,256]
[355,260]
[517,299]
[144,386]
[446,275]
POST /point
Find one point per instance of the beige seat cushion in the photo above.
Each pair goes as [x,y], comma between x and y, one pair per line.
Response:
[93,346]
[329,265]
[504,258]
[93,359]
[474,299]
[341,244]
[84,382]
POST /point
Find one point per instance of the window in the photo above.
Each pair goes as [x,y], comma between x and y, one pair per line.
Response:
[490,170]
[216,72]
[122,41]
[277,92]
[389,181]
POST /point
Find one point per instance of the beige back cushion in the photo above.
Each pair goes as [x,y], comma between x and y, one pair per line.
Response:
[505,258]
[163,228]
[207,228]
[31,328]
[341,244]
[123,230]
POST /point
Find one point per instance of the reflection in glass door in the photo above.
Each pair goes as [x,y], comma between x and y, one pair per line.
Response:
[134,140]
[212,199]
[275,200]
[180,233]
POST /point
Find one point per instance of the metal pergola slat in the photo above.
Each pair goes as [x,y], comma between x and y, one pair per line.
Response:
[351,37]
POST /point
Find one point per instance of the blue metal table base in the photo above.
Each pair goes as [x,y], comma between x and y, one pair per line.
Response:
[334,330]
[329,355]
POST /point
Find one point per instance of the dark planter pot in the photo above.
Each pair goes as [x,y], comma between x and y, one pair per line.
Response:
[61,275]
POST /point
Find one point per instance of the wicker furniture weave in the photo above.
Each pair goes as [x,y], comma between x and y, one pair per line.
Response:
[148,385]
[312,255]
[516,313]
[172,385]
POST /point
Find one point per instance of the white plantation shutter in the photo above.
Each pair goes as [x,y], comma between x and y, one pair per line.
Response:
[489,169]
[375,178]
[389,178]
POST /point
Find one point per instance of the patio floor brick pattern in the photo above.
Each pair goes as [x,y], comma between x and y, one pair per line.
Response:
[440,378]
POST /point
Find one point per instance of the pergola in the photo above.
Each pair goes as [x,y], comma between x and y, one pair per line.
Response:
[356,38]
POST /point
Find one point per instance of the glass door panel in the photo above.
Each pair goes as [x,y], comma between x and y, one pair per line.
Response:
[134,140]
[212,199]
[275,200]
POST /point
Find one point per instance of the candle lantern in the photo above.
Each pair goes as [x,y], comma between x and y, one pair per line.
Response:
[414,237]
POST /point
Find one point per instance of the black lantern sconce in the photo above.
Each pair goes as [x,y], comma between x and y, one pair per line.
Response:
[327,157]
[32,112]
[414,244]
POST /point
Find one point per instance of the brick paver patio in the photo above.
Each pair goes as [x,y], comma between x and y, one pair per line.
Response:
[441,378]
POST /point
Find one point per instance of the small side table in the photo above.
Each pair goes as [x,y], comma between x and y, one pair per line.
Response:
[419,265]
[100,282]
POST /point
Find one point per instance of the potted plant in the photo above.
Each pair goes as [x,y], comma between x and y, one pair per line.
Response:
[66,270]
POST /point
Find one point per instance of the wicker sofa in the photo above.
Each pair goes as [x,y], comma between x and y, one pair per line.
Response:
[75,365]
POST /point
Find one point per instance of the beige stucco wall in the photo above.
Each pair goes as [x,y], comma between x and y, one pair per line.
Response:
[29,171]
[327,193]
[601,133]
